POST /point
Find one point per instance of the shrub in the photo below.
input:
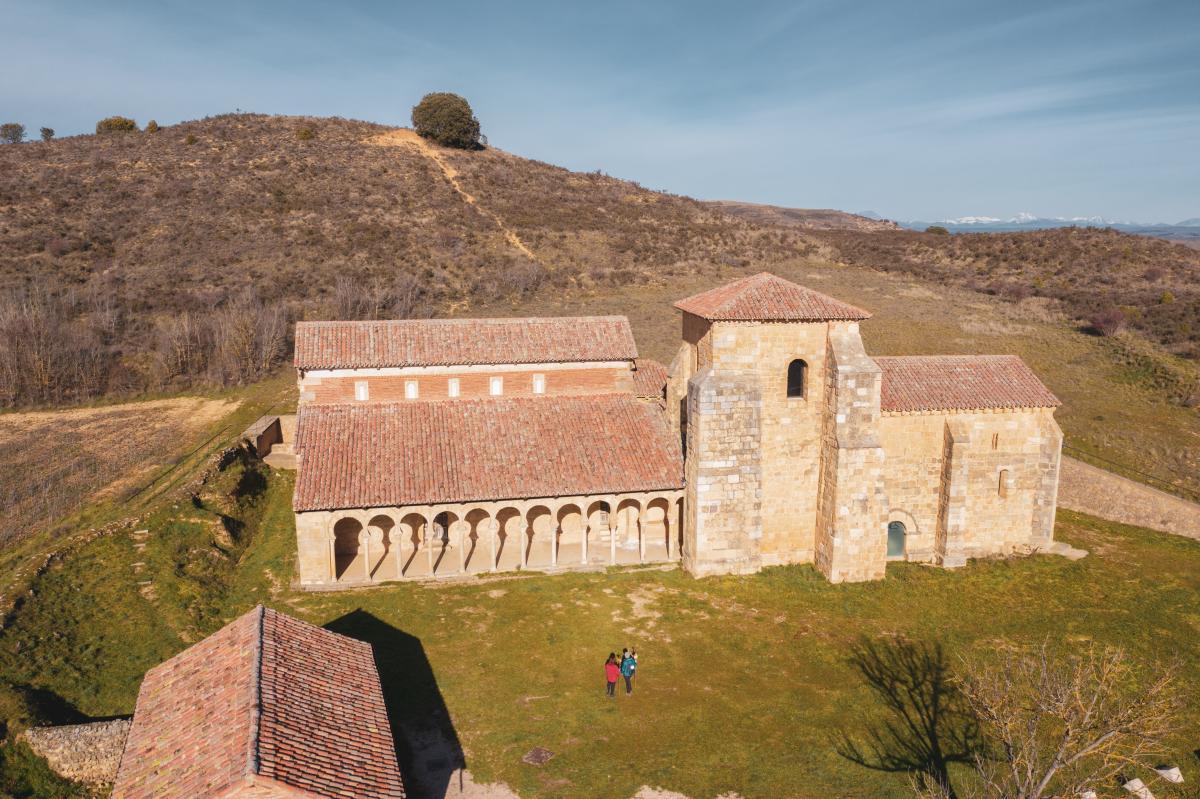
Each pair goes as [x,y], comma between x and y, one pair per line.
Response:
[152,127]
[116,125]
[12,132]
[47,134]
[937,230]
[446,119]
[304,134]
[191,139]
[1167,298]
[1109,322]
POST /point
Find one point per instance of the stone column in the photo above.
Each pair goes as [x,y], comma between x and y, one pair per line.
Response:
[612,532]
[641,531]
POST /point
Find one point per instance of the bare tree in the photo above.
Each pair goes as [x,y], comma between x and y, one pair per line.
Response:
[1060,727]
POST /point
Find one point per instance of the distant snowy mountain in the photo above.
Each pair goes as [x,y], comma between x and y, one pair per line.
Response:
[1187,229]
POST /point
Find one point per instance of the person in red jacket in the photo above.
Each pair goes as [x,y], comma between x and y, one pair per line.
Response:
[612,673]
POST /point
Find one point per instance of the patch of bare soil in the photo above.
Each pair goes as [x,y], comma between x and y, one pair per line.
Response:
[55,461]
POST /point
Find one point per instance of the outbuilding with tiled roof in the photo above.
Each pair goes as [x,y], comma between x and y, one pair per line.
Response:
[268,707]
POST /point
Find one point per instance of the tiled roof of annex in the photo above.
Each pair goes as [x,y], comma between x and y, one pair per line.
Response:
[460,342]
[649,379]
[416,453]
[267,700]
[765,297]
[960,382]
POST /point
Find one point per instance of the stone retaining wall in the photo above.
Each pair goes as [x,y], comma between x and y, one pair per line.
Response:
[81,752]
[1088,489]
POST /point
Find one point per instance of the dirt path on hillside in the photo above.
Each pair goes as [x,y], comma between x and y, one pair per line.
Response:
[403,137]
[1087,489]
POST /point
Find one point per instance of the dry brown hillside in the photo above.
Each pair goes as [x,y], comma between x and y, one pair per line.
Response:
[808,218]
[144,262]
[141,261]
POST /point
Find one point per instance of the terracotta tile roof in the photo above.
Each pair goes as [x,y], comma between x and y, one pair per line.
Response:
[456,342]
[411,453]
[961,382]
[765,297]
[649,379]
[266,700]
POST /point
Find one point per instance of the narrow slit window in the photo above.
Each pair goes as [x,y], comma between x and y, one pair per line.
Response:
[410,389]
[496,386]
[539,384]
[995,441]
[361,393]
[1002,488]
[797,375]
[452,387]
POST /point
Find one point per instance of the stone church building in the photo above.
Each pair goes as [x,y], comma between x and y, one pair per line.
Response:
[436,448]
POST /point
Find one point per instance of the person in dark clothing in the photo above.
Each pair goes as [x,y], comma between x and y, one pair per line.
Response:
[611,672]
[628,667]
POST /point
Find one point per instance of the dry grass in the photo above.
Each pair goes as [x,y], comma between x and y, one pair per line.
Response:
[56,461]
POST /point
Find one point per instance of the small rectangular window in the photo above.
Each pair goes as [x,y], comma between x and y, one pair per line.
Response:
[995,440]
[1002,488]
[360,390]
[539,384]
[410,389]
[496,386]
[452,387]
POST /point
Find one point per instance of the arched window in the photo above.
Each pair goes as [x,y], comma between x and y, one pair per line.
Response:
[895,544]
[797,376]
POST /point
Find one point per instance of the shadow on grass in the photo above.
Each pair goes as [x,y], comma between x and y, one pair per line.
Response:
[928,725]
[427,745]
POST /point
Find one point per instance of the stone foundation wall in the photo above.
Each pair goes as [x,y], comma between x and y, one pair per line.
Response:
[82,752]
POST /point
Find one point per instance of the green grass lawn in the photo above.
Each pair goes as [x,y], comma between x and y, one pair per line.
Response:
[745,684]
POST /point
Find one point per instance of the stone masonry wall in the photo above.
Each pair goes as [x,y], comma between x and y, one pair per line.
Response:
[471,384]
[791,426]
[972,483]
[82,752]
[851,541]
[724,526]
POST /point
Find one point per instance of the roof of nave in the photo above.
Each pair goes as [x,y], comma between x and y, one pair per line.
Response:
[416,453]
[458,342]
[765,297]
[649,378]
[961,382]
[267,697]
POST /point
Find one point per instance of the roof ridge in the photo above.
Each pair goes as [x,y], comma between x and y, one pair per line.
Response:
[457,320]
[253,753]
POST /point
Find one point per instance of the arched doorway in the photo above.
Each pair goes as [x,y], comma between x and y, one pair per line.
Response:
[895,542]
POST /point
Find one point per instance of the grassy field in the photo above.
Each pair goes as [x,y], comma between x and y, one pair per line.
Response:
[745,684]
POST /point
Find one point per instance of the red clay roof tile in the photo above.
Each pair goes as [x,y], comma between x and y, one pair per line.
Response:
[411,453]
[457,342]
[649,379]
[267,696]
[765,297]
[961,382]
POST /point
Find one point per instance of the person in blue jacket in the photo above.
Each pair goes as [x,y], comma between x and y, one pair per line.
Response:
[628,668]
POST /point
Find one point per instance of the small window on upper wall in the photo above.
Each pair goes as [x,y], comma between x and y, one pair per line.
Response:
[797,376]
[410,389]
[1002,488]
[496,386]
[452,387]
[360,390]
[539,384]
[995,440]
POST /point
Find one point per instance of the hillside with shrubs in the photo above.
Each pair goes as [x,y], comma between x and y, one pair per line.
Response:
[173,257]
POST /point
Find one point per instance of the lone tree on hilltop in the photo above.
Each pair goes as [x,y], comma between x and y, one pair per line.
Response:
[448,120]
[47,134]
[12,132]
[116,125]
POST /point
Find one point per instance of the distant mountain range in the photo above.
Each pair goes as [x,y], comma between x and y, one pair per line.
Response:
[1186,229]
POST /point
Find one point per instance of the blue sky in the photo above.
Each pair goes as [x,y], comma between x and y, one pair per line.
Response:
[914,109]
